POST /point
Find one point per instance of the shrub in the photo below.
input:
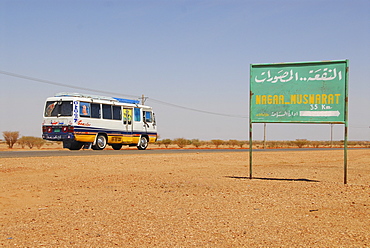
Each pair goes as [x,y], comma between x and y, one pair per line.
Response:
[316,144]
[241,143]
[233,143]
[217,142]
[196,142]
[39,142]
[181,142]
[31,142]
[166,142]
[10,138]
[272,144]
[301,142]
[22,142]
[159,143]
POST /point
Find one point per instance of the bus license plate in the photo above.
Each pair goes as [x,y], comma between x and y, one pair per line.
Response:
[57,130]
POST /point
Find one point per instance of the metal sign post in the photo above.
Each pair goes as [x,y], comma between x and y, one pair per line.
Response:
[301,92]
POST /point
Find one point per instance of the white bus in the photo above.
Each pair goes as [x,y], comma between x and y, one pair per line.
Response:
[81,120]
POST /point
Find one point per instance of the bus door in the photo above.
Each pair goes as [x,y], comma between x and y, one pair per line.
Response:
[149,122]
[127,125]
[150,125]
[138,123]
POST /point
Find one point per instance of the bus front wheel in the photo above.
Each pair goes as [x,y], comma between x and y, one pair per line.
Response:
[100,143]
[143,144]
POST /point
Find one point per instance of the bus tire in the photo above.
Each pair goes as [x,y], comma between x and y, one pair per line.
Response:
[75,145]
[116,146]
[100,142]
[143,143]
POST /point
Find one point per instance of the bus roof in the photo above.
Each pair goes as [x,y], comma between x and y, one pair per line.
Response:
[114,99]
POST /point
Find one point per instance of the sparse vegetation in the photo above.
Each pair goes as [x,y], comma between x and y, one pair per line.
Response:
[271,144]
[166,142]
[241,143]
[301,142]
[31,142]
[233,143]
[10,138]
[181,142]
[196,142]
[217,142]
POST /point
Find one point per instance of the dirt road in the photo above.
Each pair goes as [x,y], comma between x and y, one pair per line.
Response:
[186,200]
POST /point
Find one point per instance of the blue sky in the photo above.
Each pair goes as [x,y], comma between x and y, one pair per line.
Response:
[195,54]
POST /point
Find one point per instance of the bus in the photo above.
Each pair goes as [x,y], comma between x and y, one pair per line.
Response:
[89,121]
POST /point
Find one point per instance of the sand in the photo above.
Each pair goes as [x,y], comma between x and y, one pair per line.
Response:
[297,199]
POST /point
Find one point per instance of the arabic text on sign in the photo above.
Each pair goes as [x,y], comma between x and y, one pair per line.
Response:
[283,76]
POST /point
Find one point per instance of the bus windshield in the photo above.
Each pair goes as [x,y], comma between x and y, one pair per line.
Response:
[58,108]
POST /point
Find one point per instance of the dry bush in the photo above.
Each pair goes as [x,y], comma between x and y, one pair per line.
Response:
[22,142]
[241,143]
[273,144]
[10,138]
[196,142]
[217,142]
[181,142]
[31,142]
[301,142]
[316,144]
[159,143]
[233,143]
[283,143]
[166,142]
[258,142]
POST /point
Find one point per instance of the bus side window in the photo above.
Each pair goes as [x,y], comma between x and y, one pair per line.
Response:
[107,111]
[127,116]
[137,116]
[116,112]
[95,110]
[148,116]
[85,109]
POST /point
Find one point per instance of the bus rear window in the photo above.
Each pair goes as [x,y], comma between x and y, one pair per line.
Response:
[58,108]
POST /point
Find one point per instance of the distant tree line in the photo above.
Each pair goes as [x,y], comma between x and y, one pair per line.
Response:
[182,142]
[11,138]
[217,143]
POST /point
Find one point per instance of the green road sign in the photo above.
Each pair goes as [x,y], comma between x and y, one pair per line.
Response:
[304,92]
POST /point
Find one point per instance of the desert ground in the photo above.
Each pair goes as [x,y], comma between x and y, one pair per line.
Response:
[296,199]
